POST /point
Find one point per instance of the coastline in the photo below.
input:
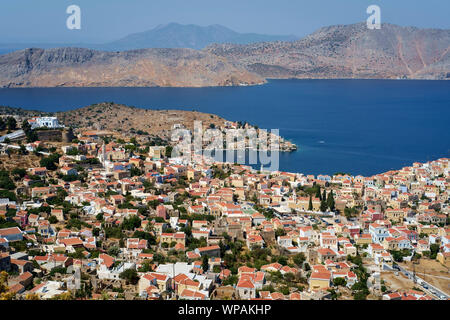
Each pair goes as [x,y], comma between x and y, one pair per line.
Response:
[265,82]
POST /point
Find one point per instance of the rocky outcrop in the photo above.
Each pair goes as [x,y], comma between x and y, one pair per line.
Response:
[348,51]
[76,67]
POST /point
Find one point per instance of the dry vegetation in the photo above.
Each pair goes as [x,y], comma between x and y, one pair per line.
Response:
[131,120]
[395,283]
[18,161]
[433,272]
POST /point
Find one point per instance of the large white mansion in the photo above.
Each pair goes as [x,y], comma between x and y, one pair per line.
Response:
[40,122]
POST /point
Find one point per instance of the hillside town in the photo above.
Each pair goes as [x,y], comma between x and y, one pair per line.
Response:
[104,216]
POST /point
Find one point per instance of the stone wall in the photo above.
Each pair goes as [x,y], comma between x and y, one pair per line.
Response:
[56,135]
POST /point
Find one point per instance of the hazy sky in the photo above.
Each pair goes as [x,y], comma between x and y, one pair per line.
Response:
[106,20]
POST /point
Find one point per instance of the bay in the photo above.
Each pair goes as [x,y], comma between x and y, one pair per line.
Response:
[354,126]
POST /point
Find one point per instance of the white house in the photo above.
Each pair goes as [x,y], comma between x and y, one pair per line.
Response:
[284,241]
[378,232]
[41,122]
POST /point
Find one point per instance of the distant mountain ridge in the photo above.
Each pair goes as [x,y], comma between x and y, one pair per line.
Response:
[175,35]
[171,35]
[335,52]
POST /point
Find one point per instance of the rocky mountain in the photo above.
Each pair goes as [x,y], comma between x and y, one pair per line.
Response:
[344,51]
[348,51]
[175,35]
[75,67]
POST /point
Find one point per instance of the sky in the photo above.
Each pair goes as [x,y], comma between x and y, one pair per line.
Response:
[107,20]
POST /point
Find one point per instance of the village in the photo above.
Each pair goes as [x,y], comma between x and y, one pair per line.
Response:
[114,218]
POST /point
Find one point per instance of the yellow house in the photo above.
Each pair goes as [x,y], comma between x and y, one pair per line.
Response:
[178,237]
[303,204]
[319,280]
[145,281]
[444,258]
[395,215]
[157,152]
[214,211]
[362,239]
[394,204]
[237,182]
[240,192]
[390,243]
[338,227]
[192,174]
[427,229]
[349,249]
[189,284]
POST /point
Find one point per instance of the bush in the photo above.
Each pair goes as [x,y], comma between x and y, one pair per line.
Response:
[130,275]
[131,223]
[114,251]
[5,181]
[340,282]
[299,259]
[230,281]
[53,220]
[55,270]
[50,161]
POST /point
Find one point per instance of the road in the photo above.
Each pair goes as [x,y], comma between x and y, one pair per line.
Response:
[427,287]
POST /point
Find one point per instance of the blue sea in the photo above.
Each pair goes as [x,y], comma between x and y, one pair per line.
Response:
[355,126]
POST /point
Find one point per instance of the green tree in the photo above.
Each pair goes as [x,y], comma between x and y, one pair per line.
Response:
[130,275]
[318,194]
[205,264]
[323,205]
[299,259]
[19,172]
[5,181]
[310,206]
[330,201]
[50,161]
[11,123]
[131,223]
[53,220]
[434,249]
[340,282]
[114,251]
[30,134]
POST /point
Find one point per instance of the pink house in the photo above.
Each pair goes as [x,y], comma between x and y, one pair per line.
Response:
[161,211]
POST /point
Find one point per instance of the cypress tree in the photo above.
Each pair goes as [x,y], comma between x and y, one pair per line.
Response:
[318,194]
[310,206]
[323,205]
[330,201]
[324,196]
